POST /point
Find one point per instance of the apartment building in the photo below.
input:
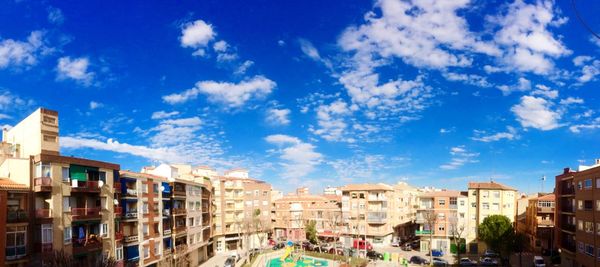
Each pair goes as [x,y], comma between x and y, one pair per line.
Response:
[14,224]
[369,212]
[293,212]
[540,222]
[577,203]
[72,202]
[485,199]
[406,210]
[242,211]
[190,212]
[441,216]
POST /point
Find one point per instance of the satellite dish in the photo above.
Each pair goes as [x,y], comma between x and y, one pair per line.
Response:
[116,202]
[162,188]
[100,183]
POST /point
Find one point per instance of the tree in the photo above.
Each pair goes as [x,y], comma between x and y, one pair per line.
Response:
[59,258]
[498,234]
[457,230]
[518,245]
[430,217]
[311,231]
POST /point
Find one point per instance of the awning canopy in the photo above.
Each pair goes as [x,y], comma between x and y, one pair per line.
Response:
[78,172]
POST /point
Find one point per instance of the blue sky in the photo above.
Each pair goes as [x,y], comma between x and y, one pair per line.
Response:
[313,93]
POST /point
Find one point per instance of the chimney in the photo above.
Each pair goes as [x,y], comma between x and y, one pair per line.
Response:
[566,170]
[596,161]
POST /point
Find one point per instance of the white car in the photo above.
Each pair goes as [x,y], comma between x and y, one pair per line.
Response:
[538,261]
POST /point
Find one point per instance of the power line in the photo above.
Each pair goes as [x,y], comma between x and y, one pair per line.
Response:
[587,27]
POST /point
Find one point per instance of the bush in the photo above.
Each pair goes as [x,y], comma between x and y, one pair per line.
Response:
[356,262]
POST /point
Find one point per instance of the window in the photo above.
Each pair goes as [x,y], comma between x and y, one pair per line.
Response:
[265,203]
[495,206]
[588,227]
[441,228]
[156,249]
[144,188]
[441,215]
[68,234]
[191,205]
[588,205]
[485,205]
[265,193]
[580,246]
[462,203]
[155,187]
[46,233]
[191,220]
[43,170]
[598,184]
[473,205]
[50,138]
[496,194]
[256,192]
[580,225]
[49,120]
[249,203]
[485,194]
[104,230]
[145,229]
[461,215]
[361,206]
[146,252]
[119,253]
[442,202]
[579,185]
[453,201]
[66,204]
[588,183]
[65,174]
[16,241]
[580,204]
[102,177]
[589,249]
[145,207]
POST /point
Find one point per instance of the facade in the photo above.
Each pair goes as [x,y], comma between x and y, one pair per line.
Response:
[441,216]
[72,202]
[293,212]
[577,204]
[485,199]
[369,212]
[242,211]
[406,211]
[540,222]
[14,224]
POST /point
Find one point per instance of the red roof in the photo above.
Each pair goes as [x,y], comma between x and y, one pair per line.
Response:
[6,184]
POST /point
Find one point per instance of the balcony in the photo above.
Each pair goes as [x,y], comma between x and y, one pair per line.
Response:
[568,209]
[87,186]
[545,210]
[182,247]
[377,217]
[118,211]
[166,231]
[117,187]
[180,229]
[545,223]
[43,213]
[568,227]
[85,213]
[568,191]
[118,236]
[129,192]
[422,232]
[167,251]
[568,245]
[17,216]
[130,214]
[131,238]
[84,247]
[42,184]
[15,253]
[166,212]
[380,198]
[179,211]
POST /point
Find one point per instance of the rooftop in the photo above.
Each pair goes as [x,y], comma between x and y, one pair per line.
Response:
[7,184]
[442,193]
[367,187]
[489,185]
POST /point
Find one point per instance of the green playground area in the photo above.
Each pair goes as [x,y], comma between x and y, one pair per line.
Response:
[300,262]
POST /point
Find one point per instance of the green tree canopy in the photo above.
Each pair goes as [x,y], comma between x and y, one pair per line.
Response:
[497,232]
[311,231]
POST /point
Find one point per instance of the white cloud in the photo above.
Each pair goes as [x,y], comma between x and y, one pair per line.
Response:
[331,121]
[482,136]
[242,68]
[366,167]
[232,95]
[445,131]
[281,42]
[459,157]
[197,35]
[522,85]
[299,158]
[545,91]
[55,16]
[278,116]
[95,105]
[590,68]
[527,43]
[309,49]
[21,53]
[472,79]
[591,125]
[220,46]
[76,69]
[157,115]
[160,154]
[571,100]
[535,112]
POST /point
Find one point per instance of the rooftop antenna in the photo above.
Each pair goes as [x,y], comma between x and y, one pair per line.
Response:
[543,180]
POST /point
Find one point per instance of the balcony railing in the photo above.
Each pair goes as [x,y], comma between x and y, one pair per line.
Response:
[182,247]
[43,213]
[118,211]
[14,253]
[568,208]
[131,238]
[568,190]
[376,217]
[118,236]
[42,184]
[46,248]
[86,247]
[166,231]
[85,213]
[568,227]
[180,229]
[86,186]
[167,251]
[545,209]
[179,211]
[131,192]
[131,214]
[17,216]
[545,223]
[565,244]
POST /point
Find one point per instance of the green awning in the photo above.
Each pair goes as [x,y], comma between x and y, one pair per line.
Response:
[77,172]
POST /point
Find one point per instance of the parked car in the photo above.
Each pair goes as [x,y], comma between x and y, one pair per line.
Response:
[437,253]
[490,254]
[407,247]
[467,262]
[308,246]
[272,242]
[338,251]
[374,255]
[324,248]
[278,246]
[235,255]
[439,262]
[488,262]
[395,244]
[415,244]
[229,262]
[418,260]
[362,244]
[253,252]
[538,261]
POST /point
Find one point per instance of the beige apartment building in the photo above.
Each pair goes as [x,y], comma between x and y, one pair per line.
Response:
[369,212]
[485,199]
[242,211]
[407,203]
[293,212]
[73,197]
[539,222]
[441,216]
